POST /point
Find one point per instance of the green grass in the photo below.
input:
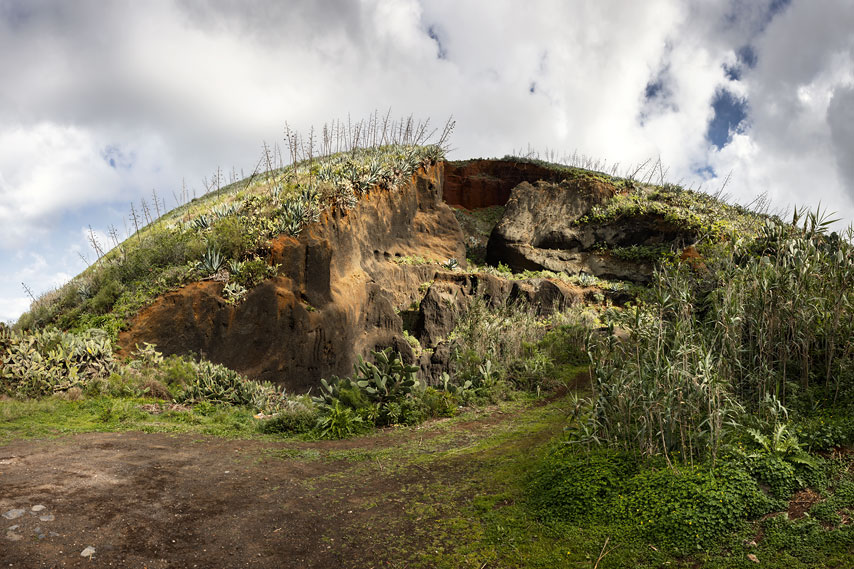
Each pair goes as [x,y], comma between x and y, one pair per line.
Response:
[54,417]
[476,514]
[460,489]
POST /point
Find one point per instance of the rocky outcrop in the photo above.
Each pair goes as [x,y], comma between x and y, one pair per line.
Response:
[450,295]
[475,184]
[539,231]
[335,297]
[343,288]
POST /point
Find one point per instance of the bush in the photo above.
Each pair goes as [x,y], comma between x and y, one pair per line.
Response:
[439,403]
[826,429]
[299,416]
[574,487]
[230,237]
[106,297]
[252,272]
[337,421]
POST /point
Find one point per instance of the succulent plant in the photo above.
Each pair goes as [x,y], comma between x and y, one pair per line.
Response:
[211,261]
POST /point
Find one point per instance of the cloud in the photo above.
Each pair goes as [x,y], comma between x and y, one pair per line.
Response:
[840,119]
[110,100]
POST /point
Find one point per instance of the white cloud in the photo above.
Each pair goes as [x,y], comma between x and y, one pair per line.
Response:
[171,90]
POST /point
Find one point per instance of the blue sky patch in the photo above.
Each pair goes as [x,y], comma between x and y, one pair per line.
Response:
[730,114]
[706,172]
[116,158]
[657,96]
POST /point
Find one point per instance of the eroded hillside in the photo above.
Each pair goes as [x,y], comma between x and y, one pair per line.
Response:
[302,274]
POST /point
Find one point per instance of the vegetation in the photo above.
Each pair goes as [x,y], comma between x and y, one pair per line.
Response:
[696,416]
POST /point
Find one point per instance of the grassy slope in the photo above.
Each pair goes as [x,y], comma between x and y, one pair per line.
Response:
[237,221]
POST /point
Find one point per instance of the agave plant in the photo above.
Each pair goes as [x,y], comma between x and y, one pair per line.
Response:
[234,292]
[211,262]
[201,223]
[235,266]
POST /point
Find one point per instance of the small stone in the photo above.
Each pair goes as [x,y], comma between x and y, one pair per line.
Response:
[12,536]
[37,508]
[88,552]
[12,514]
[753,558]
[47,518]
[53,534]
[13,528]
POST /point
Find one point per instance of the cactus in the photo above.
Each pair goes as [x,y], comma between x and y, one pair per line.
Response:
[33,364]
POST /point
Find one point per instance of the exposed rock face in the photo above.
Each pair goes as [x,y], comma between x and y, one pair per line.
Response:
[483,183]
[331,301]
[340,294]
[538,231]
[450,295]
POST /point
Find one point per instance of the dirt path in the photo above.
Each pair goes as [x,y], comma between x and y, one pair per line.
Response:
[160,500]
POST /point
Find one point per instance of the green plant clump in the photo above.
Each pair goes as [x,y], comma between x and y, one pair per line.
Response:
[34,364]
[679,510]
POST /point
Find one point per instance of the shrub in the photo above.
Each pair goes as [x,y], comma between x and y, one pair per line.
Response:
[253,271]
[337,421]
[826,429]
[230,237]
[575,487]
[439,403]
[106,297]
[298,416]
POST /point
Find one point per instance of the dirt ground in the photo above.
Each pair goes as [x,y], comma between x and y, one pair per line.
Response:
[161,500]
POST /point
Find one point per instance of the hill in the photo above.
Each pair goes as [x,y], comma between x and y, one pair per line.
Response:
[687,360]
[290,275]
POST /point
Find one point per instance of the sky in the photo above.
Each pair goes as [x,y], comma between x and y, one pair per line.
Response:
[103,103]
